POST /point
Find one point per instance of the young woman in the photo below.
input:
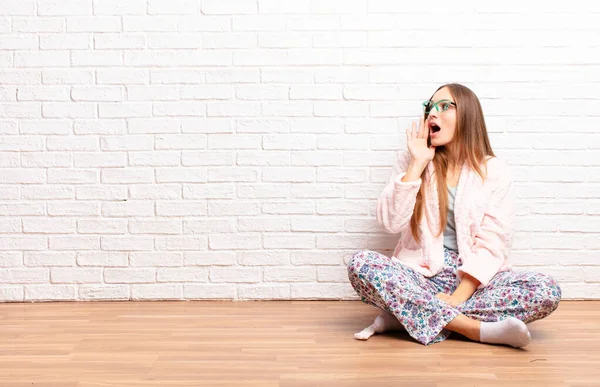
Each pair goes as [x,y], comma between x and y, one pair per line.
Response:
[451,200]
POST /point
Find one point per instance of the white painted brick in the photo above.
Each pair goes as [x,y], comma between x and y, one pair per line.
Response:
[287,109]
[127,209]
[21,143]
[181,175]
[264,292]
[264,224]
[11,259]
[62,258]
[289,142]
[205,92]
[12,293]
[362,225]
[92,58]
[284,40]
[85,24]
[149,259]
[209,191]
[261,126]
[288,241]
[46,159]
[127,175]
[38,24]
[317,191]
[358,191]
[209,258]
[104,292]
[238,174]
[149,23]
[103,259]
[239,141]
[171,243]
[22,209]
[287,75]
[153,93]
[314,23]
[67,76]
[235,275]
[174,7]
[239,241]
[341,175]
[50,293]
[65,42]
[20,110]
[153,191]
[43,93]
[10,226]
[22,176]
[112,7]
[101,226]
[289,174]
[263,158]
[350,142]
[290,274]
[9,127]
[332,274]
[288,207]
[100,159]
[157,292]
[181,208]
[345,39]
[100,192]
[317,224]
[180,141]
[24,276]
[64,7]
[120,76]
[209,291]
[47,126]
[160,226]
[318,291]
[129,275]
[74,243]
[26,243]
[228,40]
[154,159]
[18,8]
[319,257]
[19,76]
[340,241]
[264,257]
[105,127]
[38,225]
[68,110]
[228,208]
[270,191]
[75,275]
[258,23]
[151,126]
[187,274]
[206,125]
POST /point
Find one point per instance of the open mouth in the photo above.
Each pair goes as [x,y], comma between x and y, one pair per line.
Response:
[434,128]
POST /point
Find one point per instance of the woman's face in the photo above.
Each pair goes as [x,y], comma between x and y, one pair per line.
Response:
[444,120]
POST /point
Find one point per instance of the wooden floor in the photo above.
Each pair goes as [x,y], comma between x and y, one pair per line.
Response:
[275,343]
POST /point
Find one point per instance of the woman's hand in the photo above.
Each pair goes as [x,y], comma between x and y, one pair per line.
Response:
[449,299]
[417,143]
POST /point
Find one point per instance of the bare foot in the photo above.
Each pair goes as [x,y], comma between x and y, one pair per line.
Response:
[383,323]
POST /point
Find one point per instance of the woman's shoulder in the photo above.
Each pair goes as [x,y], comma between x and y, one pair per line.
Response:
[496,168]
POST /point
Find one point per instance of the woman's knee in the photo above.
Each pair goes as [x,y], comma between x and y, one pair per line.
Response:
[549,291]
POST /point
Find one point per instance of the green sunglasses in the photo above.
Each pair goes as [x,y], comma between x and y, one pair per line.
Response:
[440,106]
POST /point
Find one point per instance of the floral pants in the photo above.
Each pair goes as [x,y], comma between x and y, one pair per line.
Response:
[410,296]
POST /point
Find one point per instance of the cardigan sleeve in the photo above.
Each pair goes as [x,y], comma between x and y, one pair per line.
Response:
[493,240]
[396,202]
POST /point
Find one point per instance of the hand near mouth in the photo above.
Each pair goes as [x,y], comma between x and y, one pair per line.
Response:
[417,143]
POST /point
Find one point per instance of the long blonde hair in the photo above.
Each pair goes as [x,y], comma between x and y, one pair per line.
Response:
[471,145]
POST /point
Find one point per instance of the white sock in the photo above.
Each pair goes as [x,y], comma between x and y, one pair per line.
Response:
[510,331]
[384,322]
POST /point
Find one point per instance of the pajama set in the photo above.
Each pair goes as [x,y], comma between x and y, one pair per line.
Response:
[406,284]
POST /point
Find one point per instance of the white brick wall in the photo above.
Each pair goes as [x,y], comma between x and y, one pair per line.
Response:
[235,149]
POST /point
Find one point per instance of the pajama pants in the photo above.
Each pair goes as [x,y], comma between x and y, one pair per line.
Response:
[410,296]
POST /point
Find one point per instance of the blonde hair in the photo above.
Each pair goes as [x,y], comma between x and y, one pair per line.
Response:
[471,144]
